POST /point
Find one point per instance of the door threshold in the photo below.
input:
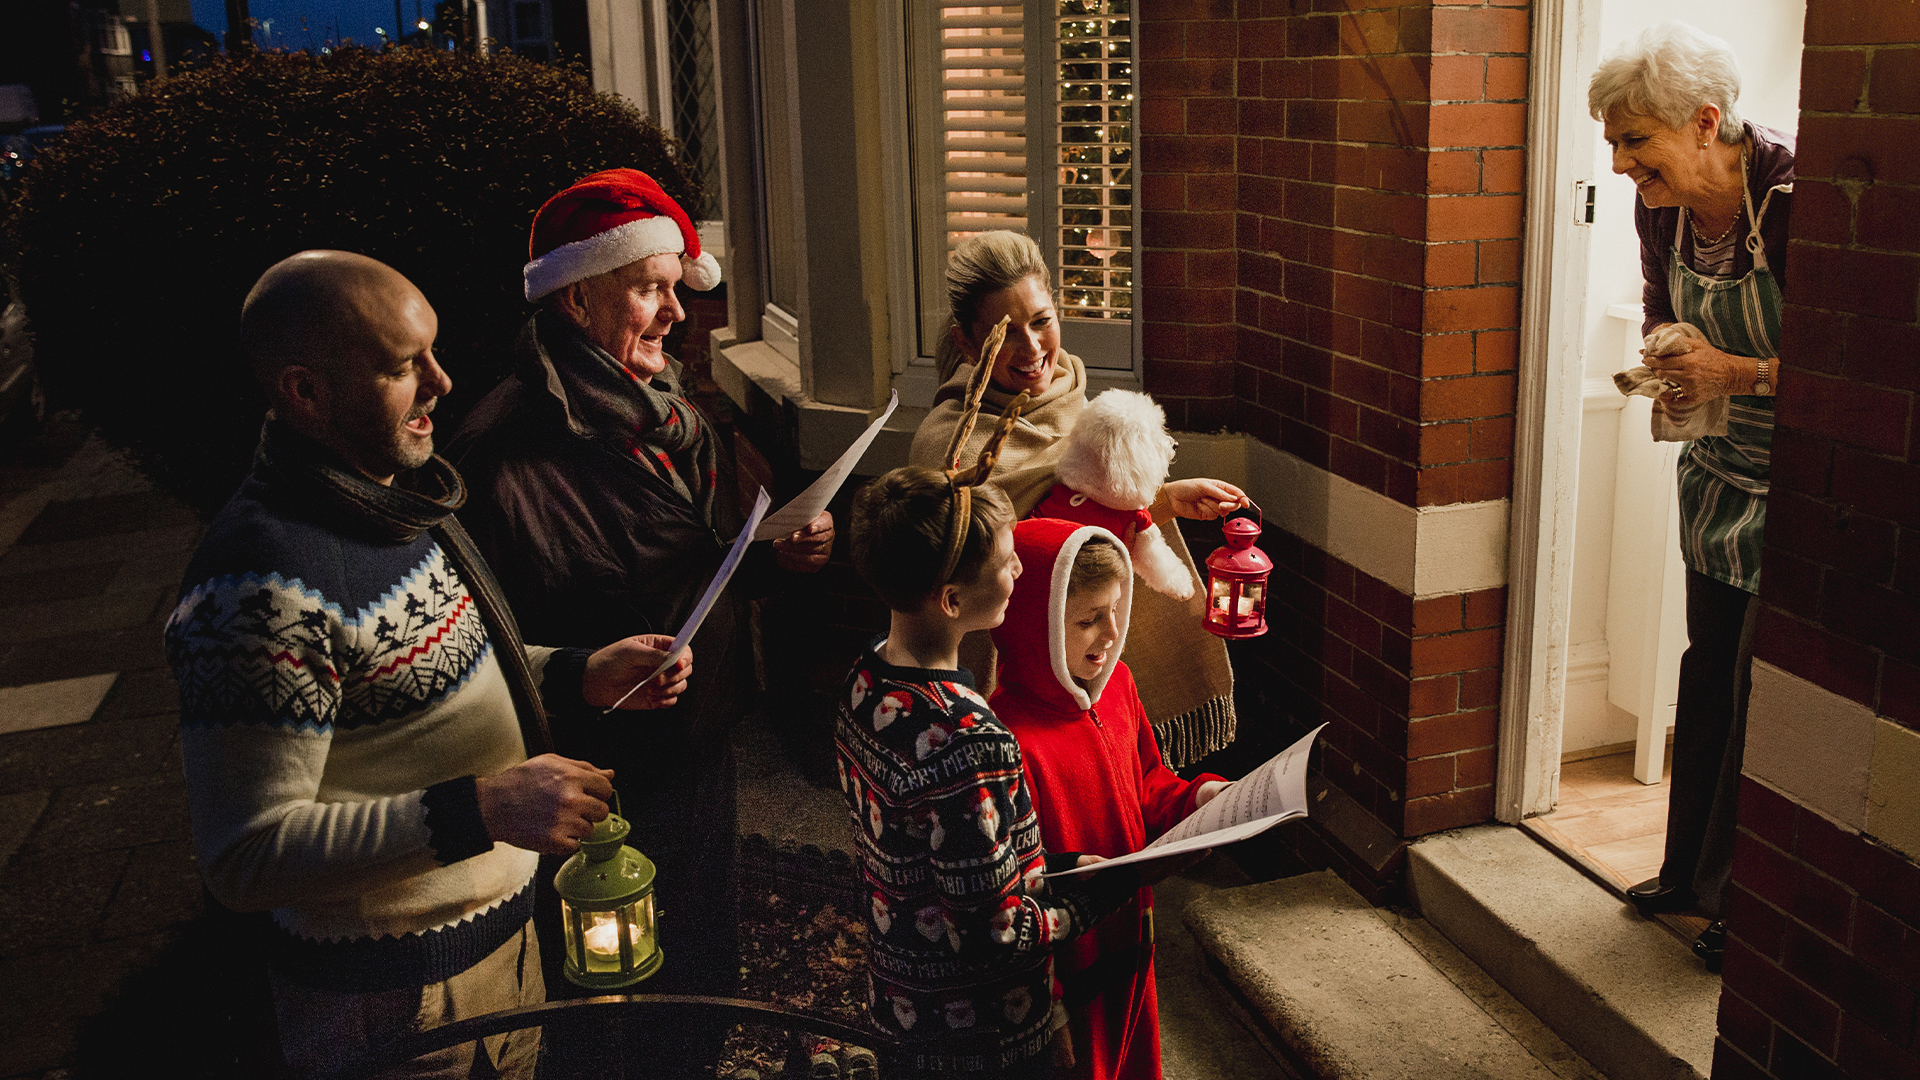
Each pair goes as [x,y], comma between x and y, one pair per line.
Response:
[1681,926]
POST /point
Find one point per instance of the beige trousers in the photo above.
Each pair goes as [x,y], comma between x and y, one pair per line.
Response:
[325,1034]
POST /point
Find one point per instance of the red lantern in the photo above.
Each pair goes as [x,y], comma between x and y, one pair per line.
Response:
[1237,583]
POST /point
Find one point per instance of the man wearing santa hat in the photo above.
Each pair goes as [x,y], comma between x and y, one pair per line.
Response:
[602,498]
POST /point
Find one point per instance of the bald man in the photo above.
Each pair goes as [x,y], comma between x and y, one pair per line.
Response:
[354,761]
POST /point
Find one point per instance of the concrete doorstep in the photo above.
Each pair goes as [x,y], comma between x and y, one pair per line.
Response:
[1619,988]
[1348,992]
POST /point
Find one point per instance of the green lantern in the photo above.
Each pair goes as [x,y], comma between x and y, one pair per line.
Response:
[606,909]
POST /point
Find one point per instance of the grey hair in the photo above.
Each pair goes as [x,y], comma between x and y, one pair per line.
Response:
[981,265]
[1668,73]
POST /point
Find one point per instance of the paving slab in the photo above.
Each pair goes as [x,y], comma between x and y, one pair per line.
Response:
[39,586]
[159,892]
[1347,996]
[82,615]
[159,569]
[49,996]
[65,471]
[98,751]
[70,655]
[93,550]
[105,515]
[144,692]
[1620,989]
[777,802]
[19,812]
[53,901]
[52,704]
[112,815]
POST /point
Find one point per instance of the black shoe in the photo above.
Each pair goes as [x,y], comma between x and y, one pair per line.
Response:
[1652,897]
[1711,945]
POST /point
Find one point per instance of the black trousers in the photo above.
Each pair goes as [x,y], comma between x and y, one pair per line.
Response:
[1709,739]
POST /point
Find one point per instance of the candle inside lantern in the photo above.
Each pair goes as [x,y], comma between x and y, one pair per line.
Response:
[603,938]
[1242,607]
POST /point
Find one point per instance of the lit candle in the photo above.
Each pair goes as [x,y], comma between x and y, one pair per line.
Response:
[603,938]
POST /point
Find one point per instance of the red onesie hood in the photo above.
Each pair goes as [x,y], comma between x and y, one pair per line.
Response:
[1032,640]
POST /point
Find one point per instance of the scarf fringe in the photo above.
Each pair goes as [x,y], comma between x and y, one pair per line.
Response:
[1191,736]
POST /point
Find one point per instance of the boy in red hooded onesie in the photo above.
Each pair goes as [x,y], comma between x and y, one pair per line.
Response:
[1094,772]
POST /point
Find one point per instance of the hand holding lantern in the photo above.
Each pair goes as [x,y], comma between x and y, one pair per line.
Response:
[606,909]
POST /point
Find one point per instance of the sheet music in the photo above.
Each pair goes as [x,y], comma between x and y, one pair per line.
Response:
[797,514]
[1273,793]
[714,588]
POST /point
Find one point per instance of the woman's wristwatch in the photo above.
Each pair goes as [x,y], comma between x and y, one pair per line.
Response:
[1763,382]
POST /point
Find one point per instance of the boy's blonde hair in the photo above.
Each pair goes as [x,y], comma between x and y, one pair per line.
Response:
[1099,562]
[900,531]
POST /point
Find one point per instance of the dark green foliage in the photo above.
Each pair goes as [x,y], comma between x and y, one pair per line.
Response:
[140,234]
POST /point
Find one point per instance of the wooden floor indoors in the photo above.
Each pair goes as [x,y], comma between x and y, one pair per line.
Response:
[1612,826]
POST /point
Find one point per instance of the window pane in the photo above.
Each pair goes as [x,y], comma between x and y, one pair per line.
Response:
[782,251]
[695,108]
[1094,118]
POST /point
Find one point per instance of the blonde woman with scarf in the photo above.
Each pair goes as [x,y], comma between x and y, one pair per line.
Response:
[1184,678]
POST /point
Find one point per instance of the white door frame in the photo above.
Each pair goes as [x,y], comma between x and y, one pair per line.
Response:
[1546,450]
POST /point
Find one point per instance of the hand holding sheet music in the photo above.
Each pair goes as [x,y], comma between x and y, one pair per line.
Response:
[1273,793]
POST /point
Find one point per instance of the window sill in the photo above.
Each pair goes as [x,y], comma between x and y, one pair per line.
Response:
[765,386]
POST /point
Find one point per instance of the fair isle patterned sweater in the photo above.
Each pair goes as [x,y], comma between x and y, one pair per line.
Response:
[961,926]
[338,697]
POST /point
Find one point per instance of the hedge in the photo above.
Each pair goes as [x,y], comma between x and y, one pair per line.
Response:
[138,236]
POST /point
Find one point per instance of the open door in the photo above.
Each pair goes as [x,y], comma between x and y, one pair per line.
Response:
[1596,620]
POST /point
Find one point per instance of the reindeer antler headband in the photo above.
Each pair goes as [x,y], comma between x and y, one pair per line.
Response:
[965,480]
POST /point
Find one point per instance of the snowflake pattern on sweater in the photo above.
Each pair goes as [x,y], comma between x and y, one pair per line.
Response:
[252,645]
[962,926]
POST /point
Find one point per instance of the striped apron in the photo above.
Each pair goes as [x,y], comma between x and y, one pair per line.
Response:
[1723,478]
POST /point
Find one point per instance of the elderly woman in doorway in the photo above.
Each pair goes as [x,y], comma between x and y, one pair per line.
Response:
[1715,192]
[1185,681]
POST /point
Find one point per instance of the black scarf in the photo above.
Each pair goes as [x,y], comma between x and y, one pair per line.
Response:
[418,501]
[650,422]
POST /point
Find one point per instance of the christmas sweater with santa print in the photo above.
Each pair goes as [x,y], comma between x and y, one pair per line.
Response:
[1098,784]
[962,926]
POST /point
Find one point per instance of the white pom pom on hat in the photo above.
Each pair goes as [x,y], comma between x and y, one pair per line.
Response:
[605,221]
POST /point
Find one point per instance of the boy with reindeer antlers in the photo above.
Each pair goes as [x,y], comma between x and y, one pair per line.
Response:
[961,924]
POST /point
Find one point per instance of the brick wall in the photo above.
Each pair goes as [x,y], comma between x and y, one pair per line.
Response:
[1369,156]
[1188,188]
[1823,967]
[1824,958]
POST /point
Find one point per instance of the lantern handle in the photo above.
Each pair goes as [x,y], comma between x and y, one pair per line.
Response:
[1251,505]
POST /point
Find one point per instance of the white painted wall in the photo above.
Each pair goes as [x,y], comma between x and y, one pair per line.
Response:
[1766,34]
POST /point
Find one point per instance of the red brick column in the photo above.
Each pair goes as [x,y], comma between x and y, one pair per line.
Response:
[1375,176]
[1188,180]
[1823,969]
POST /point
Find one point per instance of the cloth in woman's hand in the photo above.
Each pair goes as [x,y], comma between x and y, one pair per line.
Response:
[1673,421]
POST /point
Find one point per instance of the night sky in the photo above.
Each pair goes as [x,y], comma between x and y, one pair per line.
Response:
[282,20]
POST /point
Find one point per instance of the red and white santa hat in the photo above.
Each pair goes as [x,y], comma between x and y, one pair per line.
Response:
[607,220]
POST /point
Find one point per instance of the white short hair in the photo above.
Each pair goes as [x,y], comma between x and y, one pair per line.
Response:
[1668,73]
